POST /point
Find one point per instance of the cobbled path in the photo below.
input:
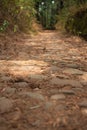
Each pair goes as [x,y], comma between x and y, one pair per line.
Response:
[43,82]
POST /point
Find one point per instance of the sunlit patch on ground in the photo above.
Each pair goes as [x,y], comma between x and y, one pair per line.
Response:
[23,68]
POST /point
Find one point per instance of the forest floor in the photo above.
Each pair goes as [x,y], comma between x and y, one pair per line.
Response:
[43,82]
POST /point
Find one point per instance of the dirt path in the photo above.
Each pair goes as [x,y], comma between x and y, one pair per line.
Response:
[43,82]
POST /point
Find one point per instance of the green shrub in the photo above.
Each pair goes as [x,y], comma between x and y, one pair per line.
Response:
[20,14]
[77,23]
[4,26]
[73,17]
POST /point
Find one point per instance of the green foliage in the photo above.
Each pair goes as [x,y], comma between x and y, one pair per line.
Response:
[73,17]
[20,14]
[4,26]
[77,23]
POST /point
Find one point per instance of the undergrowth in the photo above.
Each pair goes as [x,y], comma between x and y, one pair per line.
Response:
[17,15]
[73,19]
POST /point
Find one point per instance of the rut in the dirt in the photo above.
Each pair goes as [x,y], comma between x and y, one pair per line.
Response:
[43,82]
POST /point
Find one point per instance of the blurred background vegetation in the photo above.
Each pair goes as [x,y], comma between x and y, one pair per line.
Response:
[26,15]
[73,17]
[17,15]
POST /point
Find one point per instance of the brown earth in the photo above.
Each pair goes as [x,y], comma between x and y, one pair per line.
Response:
[43,82]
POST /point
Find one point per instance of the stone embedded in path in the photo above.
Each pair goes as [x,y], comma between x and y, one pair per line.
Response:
[10,90]
[73,71]
[75,66]
[65,82]
[84,83]
[78,89]
[84,77]
[84,111]
[38,76]
[83,104]
[48,105]
[61,76]
[54,91]
[54,68]
[21,84]
[58,97]
[6,78]
[5,105]
[33,95]
[69,92]
[60,107]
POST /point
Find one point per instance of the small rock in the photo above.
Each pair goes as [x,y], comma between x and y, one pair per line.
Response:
[58,97]
[84,77]
[36,89]
[70,92]
[84,111]
[83,104]
[75,66]
[54,91]
[6,78]
[84,83]
[21,84]
[35,107]
[10,90]
[38,76]
[61,76]
[33,95]
[54,68]
[48,105]
[37,123]
[5,105]
[78,89]
[60,107]
[65,82]
[17,114]
[73,71]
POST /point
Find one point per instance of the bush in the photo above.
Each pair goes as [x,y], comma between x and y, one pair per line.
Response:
[77,23]
[20,14]
[73,18]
